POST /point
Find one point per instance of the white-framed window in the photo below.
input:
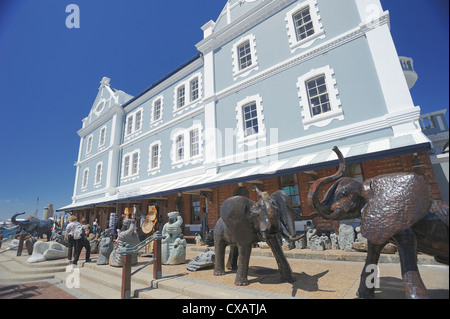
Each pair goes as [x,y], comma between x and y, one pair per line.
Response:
[250,121]
[131,164]
[157,110]
[138,120]
[194,89]
[102,137]
[187,146]
[244,56]
[194,136]
[319,98]
[181,96]
[133,124]
[188,93]
[180,148]
[304,25]
[89,143]
[135,164]
[85,180]
[98,173]
[154,163]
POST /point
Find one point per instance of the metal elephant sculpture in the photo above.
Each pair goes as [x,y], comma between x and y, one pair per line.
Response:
[394,207]
[243,222]
[34,225]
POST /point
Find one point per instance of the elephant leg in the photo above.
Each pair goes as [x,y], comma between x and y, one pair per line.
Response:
[283,265]
[367,289]
[412,282]
[233,258]
[244,252]
[219,264]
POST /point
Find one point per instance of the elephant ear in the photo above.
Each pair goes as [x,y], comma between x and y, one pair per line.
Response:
[397,201]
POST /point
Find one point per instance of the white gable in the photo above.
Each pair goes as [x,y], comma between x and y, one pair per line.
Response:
[235,9]
[106,98]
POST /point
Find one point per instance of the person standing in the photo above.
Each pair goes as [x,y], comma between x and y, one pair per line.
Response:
[82,242]
[68,237]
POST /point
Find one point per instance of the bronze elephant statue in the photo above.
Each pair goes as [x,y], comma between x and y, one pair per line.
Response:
[395,207]
[243,222]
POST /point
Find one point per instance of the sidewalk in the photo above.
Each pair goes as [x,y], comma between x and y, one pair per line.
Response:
[319,275]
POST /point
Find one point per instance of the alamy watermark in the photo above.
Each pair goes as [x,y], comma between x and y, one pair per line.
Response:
[73,279]
[373,279]
[73,19]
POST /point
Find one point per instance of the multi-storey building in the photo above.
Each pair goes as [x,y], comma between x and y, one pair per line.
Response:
[276,84]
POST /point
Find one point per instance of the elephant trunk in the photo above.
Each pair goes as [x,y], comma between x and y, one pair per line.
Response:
[14,221]
[313,196]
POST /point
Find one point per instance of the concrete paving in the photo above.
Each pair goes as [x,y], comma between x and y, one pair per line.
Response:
[319,275]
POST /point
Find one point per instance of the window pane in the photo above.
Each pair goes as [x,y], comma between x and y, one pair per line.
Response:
[318,95]
[250,119]
[181,96]
[303,24]
[244,54]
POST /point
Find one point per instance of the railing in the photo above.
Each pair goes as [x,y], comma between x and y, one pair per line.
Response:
[127,256]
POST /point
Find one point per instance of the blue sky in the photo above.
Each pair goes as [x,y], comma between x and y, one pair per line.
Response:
[49,75]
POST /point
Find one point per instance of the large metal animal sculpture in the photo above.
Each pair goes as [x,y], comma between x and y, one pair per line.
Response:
[394,207]
[243,222]
[34,225]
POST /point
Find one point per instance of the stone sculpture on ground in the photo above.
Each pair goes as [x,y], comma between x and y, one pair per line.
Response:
[105,248]
[173,246]
[204,260]
[346,236]
[43,251]
[127,239]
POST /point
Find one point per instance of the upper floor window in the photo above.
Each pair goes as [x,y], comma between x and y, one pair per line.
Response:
[84,183]
[319,98]
[304,26]
[250,121]
[133,123]
[181,96]
[188,93]
[102,139]
[157,111]
[195,142]
[90,140]
[187,146]
[244,55]
[130,164]
[138,121]
[194,89]
[98,173]
[155,157]
[180,147]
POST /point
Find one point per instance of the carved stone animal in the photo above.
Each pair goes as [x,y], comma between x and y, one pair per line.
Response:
[395,207]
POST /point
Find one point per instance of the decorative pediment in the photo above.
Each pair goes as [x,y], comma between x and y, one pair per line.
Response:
[234,10]
[106,98]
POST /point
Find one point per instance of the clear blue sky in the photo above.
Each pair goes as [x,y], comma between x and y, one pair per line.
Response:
[49,75]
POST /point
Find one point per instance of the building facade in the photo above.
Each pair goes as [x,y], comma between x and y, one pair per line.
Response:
[276,84]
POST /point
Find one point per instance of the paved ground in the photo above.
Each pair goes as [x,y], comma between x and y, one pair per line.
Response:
[321,276]
[37,290]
